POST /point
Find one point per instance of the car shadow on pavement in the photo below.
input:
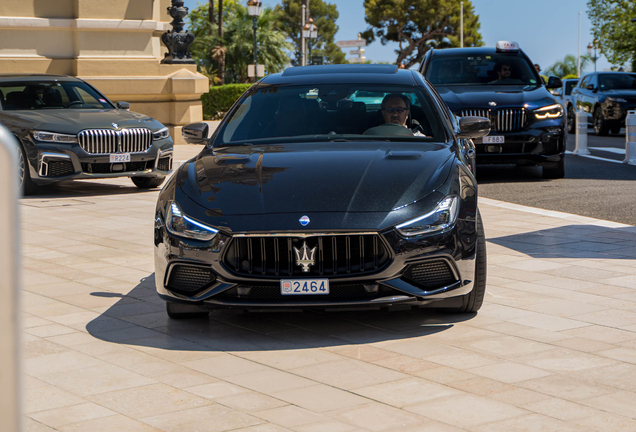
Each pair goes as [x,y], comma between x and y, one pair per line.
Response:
[139,319]
[574,241]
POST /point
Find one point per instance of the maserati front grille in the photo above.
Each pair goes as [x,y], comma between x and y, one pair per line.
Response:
[106,141]
[328,255]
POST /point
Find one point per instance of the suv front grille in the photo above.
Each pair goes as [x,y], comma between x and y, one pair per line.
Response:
[106,141]
[432,274]
[273,257]
[502,120]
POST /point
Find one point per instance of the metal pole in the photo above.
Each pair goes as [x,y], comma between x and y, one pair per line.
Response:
[578,59]
[302,37]
[595,58]
[461,13]
[255,56]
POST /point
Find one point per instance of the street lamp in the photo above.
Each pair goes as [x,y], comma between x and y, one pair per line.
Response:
[591,49]
[254,10]
[310,31]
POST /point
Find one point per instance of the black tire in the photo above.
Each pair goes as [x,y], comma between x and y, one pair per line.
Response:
[601,128]
[472,301]
[185,311]
[24,175]
[555,172]
[147,182]
[571,119]
[616,129]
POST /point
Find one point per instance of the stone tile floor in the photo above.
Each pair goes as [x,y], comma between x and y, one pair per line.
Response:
[553,348]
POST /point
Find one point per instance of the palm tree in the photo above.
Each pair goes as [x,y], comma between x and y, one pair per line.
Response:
[567,66]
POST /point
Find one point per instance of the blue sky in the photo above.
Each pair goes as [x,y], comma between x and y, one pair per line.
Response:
[547,30]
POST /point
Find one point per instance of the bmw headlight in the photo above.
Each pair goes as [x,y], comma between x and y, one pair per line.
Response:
[442,217]
[162,133]
[549,112]
[181,225]
[53,137]
[616,100]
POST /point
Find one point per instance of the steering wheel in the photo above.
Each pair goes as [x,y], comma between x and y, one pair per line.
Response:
[70,104]
[389,129]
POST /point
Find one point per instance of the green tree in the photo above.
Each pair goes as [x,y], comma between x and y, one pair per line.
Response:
[612,27]
[418,25]
[567,66]
[324,15]
[235,47]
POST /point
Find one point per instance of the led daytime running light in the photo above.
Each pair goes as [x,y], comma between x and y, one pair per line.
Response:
[187,227]
[442,217]
[547,110]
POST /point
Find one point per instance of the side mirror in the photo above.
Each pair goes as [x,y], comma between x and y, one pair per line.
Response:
[473,127]
[554,82]
[591,87]
[195,133]
[123,105]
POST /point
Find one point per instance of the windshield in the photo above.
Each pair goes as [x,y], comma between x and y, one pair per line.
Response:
[327,112]
[569,86]
[37,95]
[473,69]
[618,82]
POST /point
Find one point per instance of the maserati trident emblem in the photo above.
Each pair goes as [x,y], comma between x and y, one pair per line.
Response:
[492,103]
[115,125]
[304,221]
[305,257]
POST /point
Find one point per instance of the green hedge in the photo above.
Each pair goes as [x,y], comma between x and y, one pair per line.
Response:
[220,99]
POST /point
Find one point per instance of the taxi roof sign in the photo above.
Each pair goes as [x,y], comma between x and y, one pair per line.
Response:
[507,46]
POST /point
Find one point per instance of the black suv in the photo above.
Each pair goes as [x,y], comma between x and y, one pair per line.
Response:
[606,97]
[528,124]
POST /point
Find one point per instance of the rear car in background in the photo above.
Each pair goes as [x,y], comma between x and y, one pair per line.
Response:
[606,97]
[563,95]
[68,130]
[502,84]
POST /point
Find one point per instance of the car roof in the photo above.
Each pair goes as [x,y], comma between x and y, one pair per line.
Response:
[36,77]
[342,74]
[467,51]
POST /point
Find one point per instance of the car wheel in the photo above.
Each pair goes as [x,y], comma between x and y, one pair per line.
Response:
[554,172]
[24,176]
[472,301]
[147,182]
[571,120]
[185,311]
[601,127]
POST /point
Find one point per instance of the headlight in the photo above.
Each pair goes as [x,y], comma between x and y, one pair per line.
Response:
[617,100]
[181,225]
[53,137]
[442,217]
[161,134]
[549,112]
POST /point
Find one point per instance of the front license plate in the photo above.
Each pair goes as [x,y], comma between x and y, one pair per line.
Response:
[120,157]
[495,139]
[304,286]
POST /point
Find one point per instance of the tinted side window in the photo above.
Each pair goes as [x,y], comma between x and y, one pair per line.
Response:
[584,82]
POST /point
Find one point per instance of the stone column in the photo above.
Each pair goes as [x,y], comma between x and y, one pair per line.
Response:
[112,44]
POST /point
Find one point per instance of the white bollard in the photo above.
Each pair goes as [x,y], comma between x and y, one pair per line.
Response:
[630,138]
[581,134]
[10,375]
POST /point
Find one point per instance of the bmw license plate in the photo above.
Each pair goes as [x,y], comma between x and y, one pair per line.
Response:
[304,286]
[119,157]
[495,139]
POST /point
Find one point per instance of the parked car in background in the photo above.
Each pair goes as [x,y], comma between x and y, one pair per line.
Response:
[68,130]
[606,97]
[501,83]
[563,95]
[314,193]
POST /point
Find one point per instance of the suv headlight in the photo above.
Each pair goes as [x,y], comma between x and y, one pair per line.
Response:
[181,225]
[161,134]
[53,137]
[549,112]
[442,217]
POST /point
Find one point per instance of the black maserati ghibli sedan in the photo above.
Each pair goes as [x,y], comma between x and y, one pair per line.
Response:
[68,130]
[326,187]
[501,83]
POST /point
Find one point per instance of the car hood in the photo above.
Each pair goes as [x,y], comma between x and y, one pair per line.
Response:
[72,121]
[458,97]
[628,95]
[326,177]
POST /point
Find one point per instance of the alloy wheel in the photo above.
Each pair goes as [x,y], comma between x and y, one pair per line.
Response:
[21,168]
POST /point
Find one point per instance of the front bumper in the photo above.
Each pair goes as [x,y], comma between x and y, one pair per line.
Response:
[51,163]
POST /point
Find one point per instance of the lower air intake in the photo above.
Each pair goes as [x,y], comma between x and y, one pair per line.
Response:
[190,279]
[430,275]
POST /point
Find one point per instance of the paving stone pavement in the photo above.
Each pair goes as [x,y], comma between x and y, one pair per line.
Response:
[552,349]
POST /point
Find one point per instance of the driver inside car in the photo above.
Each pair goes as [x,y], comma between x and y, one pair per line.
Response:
[396,109]
[503,71]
